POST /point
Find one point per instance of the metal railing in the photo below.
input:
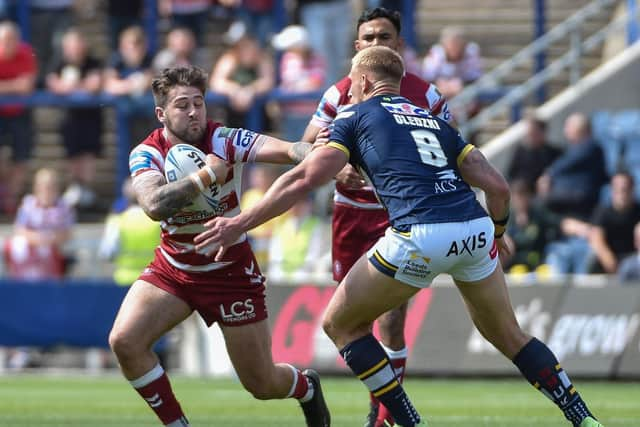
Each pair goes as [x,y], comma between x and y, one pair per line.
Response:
[515,95]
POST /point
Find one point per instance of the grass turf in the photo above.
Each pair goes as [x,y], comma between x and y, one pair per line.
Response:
[36,400]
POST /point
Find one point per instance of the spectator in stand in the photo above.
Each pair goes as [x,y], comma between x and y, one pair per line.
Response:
[123,14]
[76,70]
[129,75]
[130,239]
[531,227]
[453,63]
[629,270]
[243,73]
[49,19]
[571,253]
[533,155]
[42,226]
[181,50]
[34,252]
[571,185]
[329,23]
[613,225]
[298,243]
[18,71]
[192,14]
[301,70]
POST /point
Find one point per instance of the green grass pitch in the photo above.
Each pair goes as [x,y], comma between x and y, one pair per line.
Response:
[49,400]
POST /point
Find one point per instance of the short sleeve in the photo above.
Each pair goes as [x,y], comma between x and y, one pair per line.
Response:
[145,159]
[342,131]
[236,145]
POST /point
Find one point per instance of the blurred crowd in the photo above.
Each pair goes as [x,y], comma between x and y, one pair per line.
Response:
[572,211]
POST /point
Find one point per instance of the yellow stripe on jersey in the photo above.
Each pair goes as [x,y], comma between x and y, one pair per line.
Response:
[466,150]
[384,262]
[402,233]
[377,367]
[340,147]
[383,390]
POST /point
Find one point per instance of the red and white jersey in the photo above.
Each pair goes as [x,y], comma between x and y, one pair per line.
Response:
[237,146]
[412,87]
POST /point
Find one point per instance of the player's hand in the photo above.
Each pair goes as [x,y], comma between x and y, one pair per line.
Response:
[350,177]
[219,235]
[322,138]
[219,166]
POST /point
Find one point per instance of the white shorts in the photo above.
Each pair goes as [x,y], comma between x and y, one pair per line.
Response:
[465,250]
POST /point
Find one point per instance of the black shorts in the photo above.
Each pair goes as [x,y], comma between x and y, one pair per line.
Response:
[82,131]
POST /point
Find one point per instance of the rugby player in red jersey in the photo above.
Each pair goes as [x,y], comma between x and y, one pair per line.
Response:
[359,220]
[181,279]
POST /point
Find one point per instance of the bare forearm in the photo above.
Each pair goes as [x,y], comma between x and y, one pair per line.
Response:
[282,195]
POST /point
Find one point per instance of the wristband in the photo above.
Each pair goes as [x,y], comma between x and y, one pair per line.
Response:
[211,173]
[499,231]
[203,178]
[503,222]
[195,178]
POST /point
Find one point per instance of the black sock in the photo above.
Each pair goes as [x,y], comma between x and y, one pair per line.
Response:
[540,367]
[370,363]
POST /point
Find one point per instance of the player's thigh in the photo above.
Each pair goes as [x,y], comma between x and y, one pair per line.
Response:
[490,308]
[249,349]
[364,294]
[147,313]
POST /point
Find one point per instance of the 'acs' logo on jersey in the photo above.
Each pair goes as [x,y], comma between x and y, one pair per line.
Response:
[405,108]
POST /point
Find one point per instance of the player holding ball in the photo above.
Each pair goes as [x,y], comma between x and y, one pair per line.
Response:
[181,279]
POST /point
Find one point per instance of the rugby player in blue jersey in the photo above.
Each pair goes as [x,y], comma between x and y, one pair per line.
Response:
[422,172]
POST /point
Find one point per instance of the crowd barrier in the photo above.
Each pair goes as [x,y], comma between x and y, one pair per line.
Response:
[594,331]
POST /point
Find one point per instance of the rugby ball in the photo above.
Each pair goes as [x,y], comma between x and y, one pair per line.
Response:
[182,160]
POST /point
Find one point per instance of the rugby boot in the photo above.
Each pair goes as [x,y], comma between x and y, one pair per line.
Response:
[590,422]
[316,412]
[372,416]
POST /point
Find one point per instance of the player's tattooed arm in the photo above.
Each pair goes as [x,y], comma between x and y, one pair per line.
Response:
[161,200]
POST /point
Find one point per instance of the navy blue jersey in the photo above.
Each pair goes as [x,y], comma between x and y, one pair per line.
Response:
[410,157]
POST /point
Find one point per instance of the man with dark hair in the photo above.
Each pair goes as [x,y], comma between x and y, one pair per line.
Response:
[359,220]
[533,154]
[436,227]
[182,279]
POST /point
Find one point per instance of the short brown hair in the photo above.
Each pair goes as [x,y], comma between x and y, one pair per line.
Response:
[384,62]
[177,76]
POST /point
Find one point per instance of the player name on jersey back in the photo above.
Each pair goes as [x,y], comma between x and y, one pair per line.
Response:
[424,122]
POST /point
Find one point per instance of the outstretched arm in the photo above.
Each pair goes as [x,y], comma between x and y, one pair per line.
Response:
[274,150]
[317,169]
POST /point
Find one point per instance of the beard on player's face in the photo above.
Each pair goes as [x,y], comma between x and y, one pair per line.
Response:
[188,132]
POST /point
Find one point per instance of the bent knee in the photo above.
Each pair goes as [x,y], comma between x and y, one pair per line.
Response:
[123,343]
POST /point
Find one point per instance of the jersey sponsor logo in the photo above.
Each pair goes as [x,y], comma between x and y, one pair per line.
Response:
[447,181]
[225,132]
[238,311]
[468,244]
[405,109]
[244,138]
[185,216]
[416,266]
